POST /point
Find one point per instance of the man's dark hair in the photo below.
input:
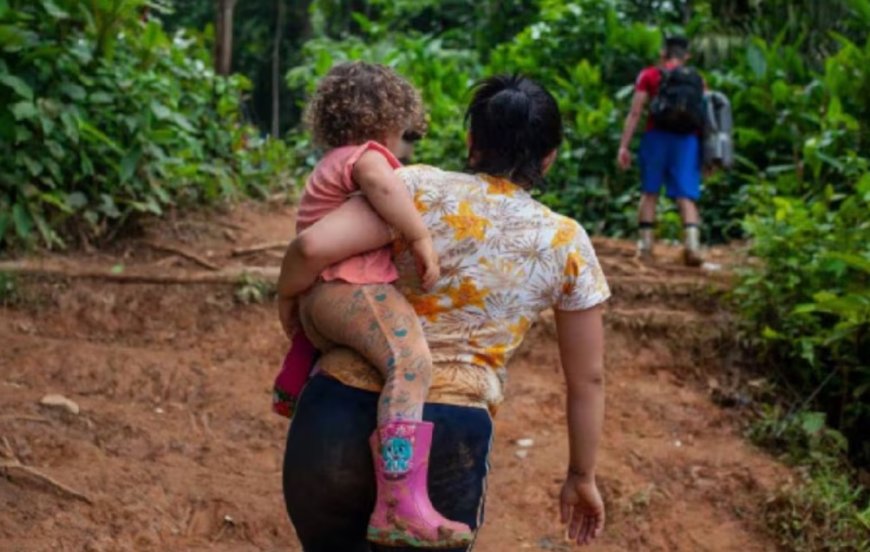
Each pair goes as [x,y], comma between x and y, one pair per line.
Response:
[515,123]
[676,47]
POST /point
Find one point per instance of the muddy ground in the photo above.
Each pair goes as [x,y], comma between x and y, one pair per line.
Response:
[175,447]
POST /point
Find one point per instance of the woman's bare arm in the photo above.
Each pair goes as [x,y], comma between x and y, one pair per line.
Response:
[581,347]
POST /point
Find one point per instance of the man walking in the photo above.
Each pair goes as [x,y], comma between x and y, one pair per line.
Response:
[670,151]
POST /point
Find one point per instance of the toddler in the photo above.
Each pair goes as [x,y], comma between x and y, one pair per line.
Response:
[360,112]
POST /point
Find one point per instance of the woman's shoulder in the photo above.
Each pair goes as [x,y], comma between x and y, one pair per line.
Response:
[422,171]
[553,219]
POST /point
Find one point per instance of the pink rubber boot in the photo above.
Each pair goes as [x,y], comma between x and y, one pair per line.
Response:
[403,515]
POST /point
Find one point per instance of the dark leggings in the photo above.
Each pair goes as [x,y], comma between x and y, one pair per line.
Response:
[329,485]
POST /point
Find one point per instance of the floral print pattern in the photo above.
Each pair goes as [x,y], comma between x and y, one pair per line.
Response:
[505,258]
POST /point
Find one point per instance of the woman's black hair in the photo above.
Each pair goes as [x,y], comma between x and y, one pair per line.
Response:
[514,123]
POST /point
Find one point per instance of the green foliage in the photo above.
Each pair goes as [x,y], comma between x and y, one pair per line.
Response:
[827,510]
[442,74]
[9,292]
[599,54]
[104,116]
[251,290]
[807,305]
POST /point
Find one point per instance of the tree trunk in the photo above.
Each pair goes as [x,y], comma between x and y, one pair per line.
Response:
[276,67]
[223,56]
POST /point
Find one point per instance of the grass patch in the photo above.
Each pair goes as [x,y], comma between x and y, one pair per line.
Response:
[251,290]
[826,510]
[10,292]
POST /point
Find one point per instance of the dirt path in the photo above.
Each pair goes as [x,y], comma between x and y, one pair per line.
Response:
[176,448]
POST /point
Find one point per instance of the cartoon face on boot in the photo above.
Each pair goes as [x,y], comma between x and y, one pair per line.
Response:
[396,453]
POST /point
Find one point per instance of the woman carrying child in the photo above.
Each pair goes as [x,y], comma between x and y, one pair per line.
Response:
[504,258]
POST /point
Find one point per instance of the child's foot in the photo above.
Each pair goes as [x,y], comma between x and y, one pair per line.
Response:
[403,514]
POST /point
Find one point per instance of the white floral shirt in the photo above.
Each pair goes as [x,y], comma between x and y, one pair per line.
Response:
[505,258]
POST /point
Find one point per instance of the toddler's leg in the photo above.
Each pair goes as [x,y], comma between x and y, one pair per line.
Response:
[379,323]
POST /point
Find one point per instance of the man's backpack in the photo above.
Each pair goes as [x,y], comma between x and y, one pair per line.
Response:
[679,105]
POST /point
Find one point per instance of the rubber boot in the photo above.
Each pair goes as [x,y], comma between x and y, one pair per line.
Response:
[692,252]
[403,514]
[645,244]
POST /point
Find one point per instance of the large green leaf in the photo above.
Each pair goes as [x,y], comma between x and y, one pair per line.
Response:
[109,207]
[13,38]
[55,149]
[854,260]
[160,111]
[73,91]
[812,422]
[53,10]
[129,164]
[24,110]
[92,133]
[76,200]
[70,126]
[21,220]
[101,98]
[33,166]
[18,85]
[49,237]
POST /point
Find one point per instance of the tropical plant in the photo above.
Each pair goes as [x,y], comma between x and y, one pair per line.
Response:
[442,74]
[104,115]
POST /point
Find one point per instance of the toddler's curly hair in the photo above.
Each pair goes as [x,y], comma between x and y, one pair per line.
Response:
[359,101]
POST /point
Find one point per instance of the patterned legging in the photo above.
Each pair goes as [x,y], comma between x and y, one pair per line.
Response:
[378,322]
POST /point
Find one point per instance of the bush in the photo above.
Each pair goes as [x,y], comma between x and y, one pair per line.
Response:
[807,305]
[826,510]
[103,115]
[442,74]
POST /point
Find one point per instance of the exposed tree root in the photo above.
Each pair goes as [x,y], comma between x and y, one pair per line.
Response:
[258,247]
[226,276]
[181,252]
[24,418]
[10,464]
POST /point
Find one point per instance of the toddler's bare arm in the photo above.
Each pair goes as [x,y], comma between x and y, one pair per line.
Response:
[352,229]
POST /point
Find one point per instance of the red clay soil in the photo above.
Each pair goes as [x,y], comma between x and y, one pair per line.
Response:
[175,447]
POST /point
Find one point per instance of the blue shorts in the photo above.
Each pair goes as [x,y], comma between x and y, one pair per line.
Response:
[329,478]
[673,160]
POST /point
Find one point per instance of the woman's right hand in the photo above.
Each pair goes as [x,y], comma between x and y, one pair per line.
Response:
[582,509]
[427,261]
